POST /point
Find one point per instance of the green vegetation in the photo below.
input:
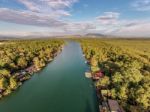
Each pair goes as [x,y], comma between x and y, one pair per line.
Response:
[126,67]
[19,59]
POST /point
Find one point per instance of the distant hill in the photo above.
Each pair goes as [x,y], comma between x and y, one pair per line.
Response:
[94,35]
[7,38]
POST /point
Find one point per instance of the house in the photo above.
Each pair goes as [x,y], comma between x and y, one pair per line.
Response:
[22,72]
[20,76]
[1,91]
[30,69]
[114,106]
[97,75]
[103,107]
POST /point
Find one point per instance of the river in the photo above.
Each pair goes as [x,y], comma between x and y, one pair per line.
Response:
[60,87]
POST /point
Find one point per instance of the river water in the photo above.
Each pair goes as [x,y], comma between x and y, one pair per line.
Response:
[59,87]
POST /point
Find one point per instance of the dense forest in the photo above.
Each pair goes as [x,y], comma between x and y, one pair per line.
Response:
[126,67]
[19,59]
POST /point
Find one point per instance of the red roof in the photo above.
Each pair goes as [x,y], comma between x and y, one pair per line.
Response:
[99,74]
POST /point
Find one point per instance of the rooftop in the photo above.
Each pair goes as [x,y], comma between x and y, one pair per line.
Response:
[114,106]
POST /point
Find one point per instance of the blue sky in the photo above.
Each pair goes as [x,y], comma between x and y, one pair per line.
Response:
[65,17]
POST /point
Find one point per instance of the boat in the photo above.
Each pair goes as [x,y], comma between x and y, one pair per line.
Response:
[88,74]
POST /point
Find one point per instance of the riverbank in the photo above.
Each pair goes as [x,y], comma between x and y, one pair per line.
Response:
[59,87]
[22,75]
[125,71]
[106,104]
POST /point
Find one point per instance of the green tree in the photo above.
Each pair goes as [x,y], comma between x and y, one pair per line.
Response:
[12,83]
[21,62]
[4,72]
[94,62]
[122,93]
[3,83]
[117,78]
[105,81]
[36,62]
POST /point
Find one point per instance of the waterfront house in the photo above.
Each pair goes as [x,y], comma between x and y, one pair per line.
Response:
[30,69]
[104,107]
[22,72]
[97,75]
[1,91]
[114,106]
[20,76]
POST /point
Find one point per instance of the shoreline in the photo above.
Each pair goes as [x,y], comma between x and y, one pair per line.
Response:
[104,101]
[23,75]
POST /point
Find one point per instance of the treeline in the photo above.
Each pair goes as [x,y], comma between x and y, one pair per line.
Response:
[127,73]
[16,56]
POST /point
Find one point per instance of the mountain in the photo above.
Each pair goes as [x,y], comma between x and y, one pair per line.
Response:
[94,35]
[7,38]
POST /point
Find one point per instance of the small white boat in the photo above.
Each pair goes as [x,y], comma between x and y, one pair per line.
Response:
[88,74]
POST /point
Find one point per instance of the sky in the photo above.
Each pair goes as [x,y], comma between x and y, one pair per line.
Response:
[72,17]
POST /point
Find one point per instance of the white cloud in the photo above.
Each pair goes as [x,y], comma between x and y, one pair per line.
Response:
[135,28]
[30,18]
[57,4]
[30,5]
[31,34]
[49,13]
[109,15]
[53,22]
[141,5]
[108,18]
[80,27]
[110,24]
[44,13]
[47,6]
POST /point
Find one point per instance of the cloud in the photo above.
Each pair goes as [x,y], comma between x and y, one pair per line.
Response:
[110,24]
[30,18]
[42,20]
[30,5]
[51,13]
[46,5]
[108,18]
[130,28]
[80,27]
[69,28]
[141,5]
[136,30]
[44,13]
[31,34]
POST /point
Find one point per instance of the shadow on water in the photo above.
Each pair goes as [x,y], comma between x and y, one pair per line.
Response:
[94,102]
[88,107]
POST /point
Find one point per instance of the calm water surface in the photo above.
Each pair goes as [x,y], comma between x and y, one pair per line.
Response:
[59,87]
